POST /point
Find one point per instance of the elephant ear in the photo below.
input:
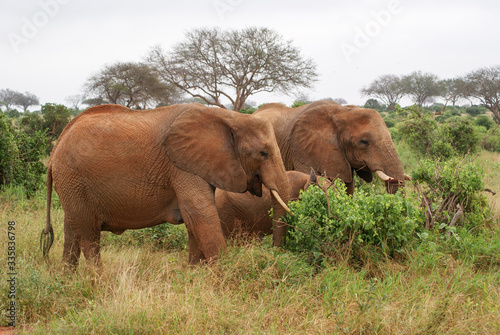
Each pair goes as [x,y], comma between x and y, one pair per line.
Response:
[201,141]
[314,142]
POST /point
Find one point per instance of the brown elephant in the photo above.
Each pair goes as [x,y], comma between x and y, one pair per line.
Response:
[248,215]
[335,140]
[115,169]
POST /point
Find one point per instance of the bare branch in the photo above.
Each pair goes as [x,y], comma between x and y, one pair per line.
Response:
[233,64]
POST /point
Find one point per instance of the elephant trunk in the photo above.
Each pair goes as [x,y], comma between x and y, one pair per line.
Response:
[275,179]
[391,171]
[281,202]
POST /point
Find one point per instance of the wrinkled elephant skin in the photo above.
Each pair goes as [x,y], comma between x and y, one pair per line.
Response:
[115,169]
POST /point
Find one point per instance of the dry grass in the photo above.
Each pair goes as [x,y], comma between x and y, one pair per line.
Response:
[254,289]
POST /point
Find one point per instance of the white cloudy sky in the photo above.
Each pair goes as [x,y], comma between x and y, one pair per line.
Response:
[50,47]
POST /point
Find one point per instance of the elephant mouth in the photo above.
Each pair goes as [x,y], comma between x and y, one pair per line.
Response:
[392,184]
[255,188]
[255,185]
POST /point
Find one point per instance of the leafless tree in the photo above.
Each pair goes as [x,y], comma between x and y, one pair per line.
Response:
[341,101]
[8,97]
[75,101]
[130,84]
[387,88]
[232,65]
[421,87]
[484,84]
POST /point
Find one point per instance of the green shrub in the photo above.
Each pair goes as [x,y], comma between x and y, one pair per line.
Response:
[475,110]
[455,136]
[491,140]
[485,121]
[20,157]
[418,130]
[389,122]
[298,103]
[248,110]
[331,224]
[451,189]
[164,236]
[460,133]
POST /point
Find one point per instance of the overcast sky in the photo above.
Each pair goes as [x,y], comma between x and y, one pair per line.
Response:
[50,47]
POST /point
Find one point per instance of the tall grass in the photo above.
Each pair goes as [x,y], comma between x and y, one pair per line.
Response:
[442,285]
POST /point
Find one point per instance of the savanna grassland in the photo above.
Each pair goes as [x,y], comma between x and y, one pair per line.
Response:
[437,285]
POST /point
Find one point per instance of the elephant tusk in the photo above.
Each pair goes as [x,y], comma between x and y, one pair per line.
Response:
[388,179]
[281,202]
[383,176]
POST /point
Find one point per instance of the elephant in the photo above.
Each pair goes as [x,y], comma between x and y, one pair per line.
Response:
[335,140]
[115,168]
[248,215]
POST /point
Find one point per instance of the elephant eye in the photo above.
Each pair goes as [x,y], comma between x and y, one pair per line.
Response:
[263,154]
[364,142]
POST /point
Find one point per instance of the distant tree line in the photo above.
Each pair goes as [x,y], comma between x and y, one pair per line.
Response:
[482,85]
[10,98]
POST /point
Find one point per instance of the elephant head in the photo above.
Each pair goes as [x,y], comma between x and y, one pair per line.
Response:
[336,140]
[233,152]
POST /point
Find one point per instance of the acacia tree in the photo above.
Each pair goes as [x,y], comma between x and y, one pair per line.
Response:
[453,90]
[75,101]
[24,100]
[130,84]
[214,65]
[9,98]
[387,88]
[421,87]
[484,85]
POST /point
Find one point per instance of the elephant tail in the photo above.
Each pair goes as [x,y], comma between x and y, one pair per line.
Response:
[47,236]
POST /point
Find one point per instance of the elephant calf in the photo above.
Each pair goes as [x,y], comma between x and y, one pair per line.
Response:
[243,213]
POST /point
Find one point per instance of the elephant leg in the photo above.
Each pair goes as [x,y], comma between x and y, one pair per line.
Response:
[71,252]
[206,240]
[195,253]
[90,244]
[350,188]
[81,234]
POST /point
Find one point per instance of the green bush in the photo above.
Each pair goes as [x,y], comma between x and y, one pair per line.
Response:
[461,134]
[455,136]
[298,103]
[451,189]
[20,157]
[491,140]
[485,121]
[248,110]
[418,130]
[162,237]
[475,110]
[332,224]
[389,122]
